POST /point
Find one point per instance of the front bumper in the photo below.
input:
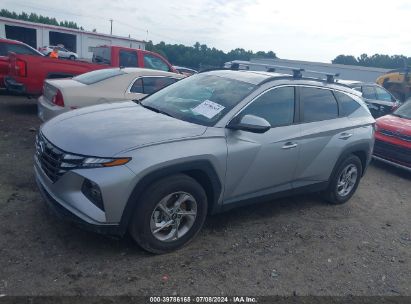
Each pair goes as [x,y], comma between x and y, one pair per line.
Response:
[13,86]
[393,154]
[66,198]
[61,212]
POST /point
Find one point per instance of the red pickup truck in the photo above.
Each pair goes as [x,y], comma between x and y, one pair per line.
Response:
[27,73]
[8,46]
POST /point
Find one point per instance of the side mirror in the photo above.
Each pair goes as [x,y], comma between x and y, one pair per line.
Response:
[250,123]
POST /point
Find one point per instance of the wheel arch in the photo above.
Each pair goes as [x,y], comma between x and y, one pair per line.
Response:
[201,170]
[361,150]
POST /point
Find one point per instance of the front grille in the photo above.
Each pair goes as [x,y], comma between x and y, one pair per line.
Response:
[395,134]
[50,158]
[392,152]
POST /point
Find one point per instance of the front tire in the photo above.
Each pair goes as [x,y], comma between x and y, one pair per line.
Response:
[344,181]
[72,57]
[169,214]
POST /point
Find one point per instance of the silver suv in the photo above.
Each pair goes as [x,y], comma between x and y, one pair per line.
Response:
[213,141]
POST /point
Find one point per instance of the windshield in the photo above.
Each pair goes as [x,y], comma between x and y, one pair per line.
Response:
[201,99]
[404,111]
[98,75]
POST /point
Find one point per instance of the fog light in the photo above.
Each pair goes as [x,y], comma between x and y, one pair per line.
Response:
[92,191]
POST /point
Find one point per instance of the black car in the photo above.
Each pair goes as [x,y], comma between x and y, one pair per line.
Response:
[379,100]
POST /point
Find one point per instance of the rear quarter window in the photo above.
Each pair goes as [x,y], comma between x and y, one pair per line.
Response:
[102,55]
[347,104]
[97,76]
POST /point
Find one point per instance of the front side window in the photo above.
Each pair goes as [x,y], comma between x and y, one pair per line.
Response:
[276,106]
[383,94]
[368,92]
[155,63]
[202,99]
[318,104]
[98,75]
[128,58]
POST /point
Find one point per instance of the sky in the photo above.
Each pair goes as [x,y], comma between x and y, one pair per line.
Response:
[315,30]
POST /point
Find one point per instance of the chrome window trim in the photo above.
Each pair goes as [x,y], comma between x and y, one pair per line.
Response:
[294,86]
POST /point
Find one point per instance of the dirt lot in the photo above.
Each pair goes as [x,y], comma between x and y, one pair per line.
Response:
[297,245]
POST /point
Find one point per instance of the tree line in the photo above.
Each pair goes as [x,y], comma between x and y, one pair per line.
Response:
[376,61]
[200,56]
[32,17]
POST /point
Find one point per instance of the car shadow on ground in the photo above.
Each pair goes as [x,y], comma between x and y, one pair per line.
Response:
[23,109]
[391,169]
[75,237]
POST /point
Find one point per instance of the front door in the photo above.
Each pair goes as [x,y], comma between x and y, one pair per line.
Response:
[262,164]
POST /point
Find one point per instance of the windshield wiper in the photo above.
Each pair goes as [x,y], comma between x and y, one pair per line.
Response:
[154,109]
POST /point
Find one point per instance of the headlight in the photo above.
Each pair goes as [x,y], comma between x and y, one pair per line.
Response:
[72,161]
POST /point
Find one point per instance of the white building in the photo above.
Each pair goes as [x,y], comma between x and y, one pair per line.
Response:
[81,42]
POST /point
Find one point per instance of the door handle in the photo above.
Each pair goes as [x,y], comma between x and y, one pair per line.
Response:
[345,136]
[289,145]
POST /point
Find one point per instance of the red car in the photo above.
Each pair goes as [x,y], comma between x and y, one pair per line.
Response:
[27,73]
[14,46]
[393,137]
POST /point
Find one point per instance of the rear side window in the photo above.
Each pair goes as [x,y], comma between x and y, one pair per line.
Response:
[150,85]
[20,49]
[347,104]
[318,104]
[128,58]
[276,106]
[97,76]
[155,63]
[102,55]
[368,92]
[383,94]
[3,50]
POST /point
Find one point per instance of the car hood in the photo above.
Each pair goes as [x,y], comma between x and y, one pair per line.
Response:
[108,129]
[395,123]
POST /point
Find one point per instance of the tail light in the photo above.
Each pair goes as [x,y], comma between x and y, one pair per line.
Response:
[21,68]
[58,99]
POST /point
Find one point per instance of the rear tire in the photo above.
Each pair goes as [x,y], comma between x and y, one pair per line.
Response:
[177,203]
[344,180]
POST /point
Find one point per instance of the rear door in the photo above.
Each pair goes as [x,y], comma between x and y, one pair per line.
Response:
[325,132]
[264,163]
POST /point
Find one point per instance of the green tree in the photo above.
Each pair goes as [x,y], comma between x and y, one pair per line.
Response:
[38,19]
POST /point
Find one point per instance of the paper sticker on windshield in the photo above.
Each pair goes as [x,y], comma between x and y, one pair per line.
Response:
[208,109]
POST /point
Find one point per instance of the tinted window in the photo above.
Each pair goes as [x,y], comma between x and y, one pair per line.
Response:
[155,63]
[276,106]
[102,55]
[383,94]
[137,86]
[97,76]
[347,104]
[404,111]
[128,58]
[153,84]
[21,49]
[3,49]
[368,92]
[319,104]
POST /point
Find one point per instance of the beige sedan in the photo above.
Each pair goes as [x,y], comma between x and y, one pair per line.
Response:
[101,86]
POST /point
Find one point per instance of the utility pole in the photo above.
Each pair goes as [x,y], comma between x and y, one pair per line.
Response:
[111,26]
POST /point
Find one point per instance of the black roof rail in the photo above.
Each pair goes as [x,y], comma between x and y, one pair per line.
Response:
[297,72]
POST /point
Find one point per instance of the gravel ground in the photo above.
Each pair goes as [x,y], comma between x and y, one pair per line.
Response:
[297,245]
